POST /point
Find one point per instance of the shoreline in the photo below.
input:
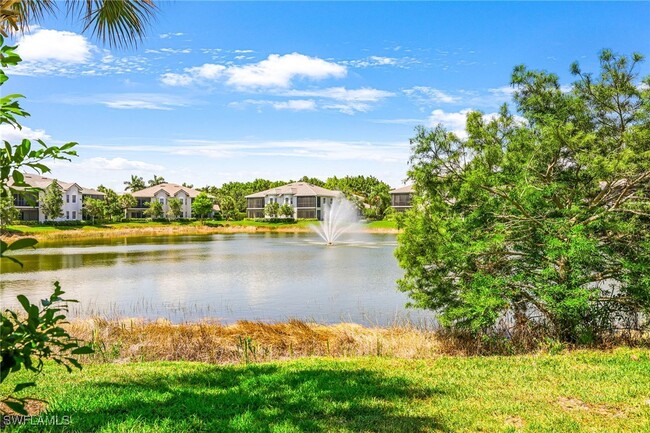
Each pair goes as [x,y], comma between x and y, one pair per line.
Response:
[169,230]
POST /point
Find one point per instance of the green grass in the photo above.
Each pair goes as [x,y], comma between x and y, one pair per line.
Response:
[574,392]
[382,225]
[24,229]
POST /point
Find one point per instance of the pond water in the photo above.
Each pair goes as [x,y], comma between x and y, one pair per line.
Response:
[269,277]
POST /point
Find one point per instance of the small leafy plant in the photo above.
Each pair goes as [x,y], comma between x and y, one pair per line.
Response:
[27,340]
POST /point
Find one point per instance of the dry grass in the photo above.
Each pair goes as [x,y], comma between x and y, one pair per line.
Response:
[112,232]
[151,231]
[138,340]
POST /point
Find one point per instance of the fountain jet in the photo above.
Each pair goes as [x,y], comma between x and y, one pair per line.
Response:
[339,217]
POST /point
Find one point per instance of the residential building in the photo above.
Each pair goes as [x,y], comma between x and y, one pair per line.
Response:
[400,198]
[163,193]
[29,203]
[307,200]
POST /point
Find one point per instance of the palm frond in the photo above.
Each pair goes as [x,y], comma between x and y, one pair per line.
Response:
[16,15]
[116,23]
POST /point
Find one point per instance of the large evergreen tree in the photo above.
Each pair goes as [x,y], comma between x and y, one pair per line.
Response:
[542,219]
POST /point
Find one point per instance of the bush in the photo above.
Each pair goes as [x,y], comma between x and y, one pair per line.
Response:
[275,220]
[65,223]
[25,341]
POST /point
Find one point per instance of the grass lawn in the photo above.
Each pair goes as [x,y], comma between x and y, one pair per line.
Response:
[381,225]
[24,229]
[573,392]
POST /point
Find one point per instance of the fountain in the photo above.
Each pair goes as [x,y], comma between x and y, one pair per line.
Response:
[339,217]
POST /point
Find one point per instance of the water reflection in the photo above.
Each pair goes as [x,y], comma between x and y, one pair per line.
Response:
[226,277]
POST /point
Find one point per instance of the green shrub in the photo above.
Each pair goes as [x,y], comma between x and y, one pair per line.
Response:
[26,340]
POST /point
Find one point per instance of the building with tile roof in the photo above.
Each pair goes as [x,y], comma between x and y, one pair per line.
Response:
[29,203]
[162,193]
[307,200]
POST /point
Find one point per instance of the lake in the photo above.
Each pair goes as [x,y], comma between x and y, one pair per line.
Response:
[268,277]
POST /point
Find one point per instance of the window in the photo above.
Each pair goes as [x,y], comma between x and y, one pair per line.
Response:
[182,201]
[287,200]
[67,198]
[306,213]
[74,214]
[162,200]
[306,202]
[74,199]
[67,214]
[257,203]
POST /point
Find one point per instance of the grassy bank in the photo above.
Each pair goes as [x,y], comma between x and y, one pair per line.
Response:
[573,392]
[153,228]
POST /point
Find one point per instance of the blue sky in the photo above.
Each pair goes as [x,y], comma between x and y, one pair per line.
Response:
[234,91]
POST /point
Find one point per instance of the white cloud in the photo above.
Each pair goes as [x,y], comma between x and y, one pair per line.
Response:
[62,53]
[375,61]
[364,94]
[296,105]
[169,51]
[334,98]
[146,101]
[126,101]
[292,104]
[121,164]
[317,149]
[54,45]
[14,136]
[177,80]
[277,71]
[170,35]
[207,71]
[506,92]
[453,121]
[456,121]
[428,95]
[349,107]
[347,101]
[243,51]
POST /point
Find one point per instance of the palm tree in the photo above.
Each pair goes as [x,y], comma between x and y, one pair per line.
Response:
[157,180]
[116,23]
[135,184]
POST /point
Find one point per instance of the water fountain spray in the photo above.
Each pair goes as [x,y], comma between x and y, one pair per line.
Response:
[339,217]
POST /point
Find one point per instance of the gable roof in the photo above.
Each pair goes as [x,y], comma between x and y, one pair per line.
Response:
[403,190]
[297,189]
[36,181]
[171,189]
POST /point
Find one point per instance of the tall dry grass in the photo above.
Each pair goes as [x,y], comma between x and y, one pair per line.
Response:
[244,341]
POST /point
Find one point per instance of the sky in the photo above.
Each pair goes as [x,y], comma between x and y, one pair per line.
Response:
[221,91]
